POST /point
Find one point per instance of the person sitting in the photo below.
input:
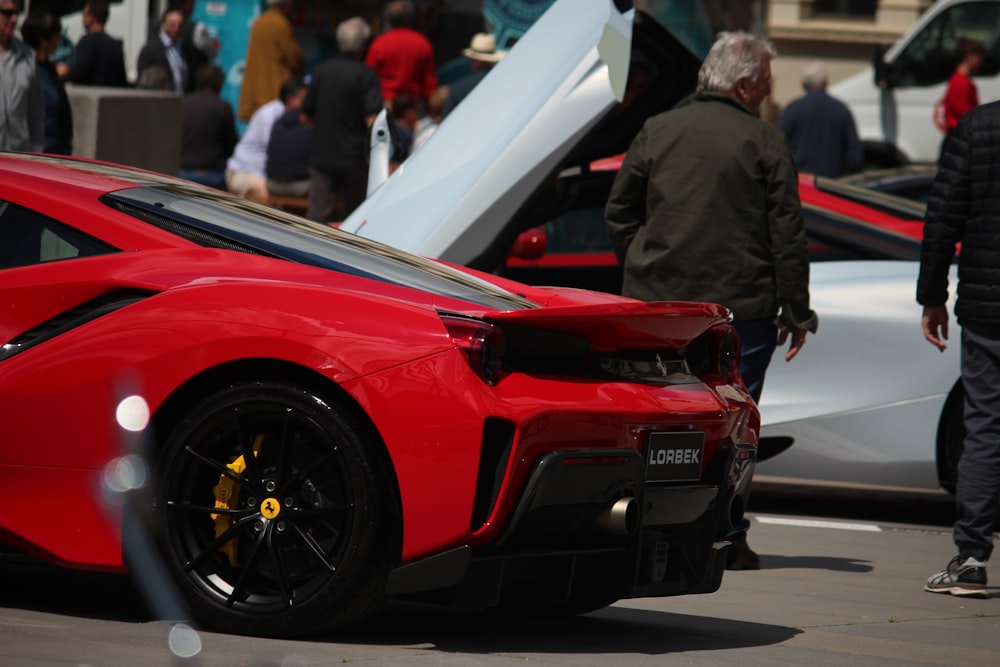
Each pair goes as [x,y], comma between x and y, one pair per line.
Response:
[245,170]
[287,166]
[208,130]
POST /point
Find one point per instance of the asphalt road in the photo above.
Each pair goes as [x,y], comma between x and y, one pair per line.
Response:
[840,584]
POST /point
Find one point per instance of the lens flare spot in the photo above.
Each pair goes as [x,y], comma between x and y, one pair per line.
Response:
[125,473]
[184,641]
[133,413]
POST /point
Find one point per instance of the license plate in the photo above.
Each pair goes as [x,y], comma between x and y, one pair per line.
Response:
[674,457]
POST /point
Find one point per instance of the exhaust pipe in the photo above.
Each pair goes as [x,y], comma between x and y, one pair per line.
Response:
[622,518]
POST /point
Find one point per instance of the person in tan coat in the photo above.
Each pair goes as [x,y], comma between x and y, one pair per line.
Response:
[273,57]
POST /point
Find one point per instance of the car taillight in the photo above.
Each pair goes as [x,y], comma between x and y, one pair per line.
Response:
[481,342]
[719,352]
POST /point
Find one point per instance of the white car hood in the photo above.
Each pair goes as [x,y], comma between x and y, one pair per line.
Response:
[456,196]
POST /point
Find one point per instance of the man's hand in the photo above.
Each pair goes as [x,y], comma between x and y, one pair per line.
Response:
[798,340]
[935,325]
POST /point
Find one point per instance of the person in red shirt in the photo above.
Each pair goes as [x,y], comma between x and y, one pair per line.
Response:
[403,58]
[961,95]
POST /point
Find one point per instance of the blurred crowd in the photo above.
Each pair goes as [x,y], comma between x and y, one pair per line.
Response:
[300,140]
[305,134]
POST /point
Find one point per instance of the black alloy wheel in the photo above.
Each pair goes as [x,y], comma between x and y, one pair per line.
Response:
[272,513]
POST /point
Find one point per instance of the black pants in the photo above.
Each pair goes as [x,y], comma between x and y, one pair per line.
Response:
[334,193]
[758,340]
[978,492]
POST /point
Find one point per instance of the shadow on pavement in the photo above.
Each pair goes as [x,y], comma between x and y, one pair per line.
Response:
[929,509]
[610,630]
[110,597]
[28,584]
[776,562]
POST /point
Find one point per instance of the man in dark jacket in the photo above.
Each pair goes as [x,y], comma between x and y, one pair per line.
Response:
[964,207]
[167,49]
[821,129]
[208,130]
[705,207]
[341,103]
[98,59]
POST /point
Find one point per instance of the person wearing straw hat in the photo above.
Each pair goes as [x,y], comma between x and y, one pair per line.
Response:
[482,54]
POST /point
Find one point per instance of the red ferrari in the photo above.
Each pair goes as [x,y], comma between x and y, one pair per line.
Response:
[303,422]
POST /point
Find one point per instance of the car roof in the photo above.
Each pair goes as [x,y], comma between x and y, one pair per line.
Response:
[35,171]
[873,178]
[554,99]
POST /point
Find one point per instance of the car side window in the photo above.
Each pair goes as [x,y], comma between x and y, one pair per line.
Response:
[581,230]
[28,237]
[930,58]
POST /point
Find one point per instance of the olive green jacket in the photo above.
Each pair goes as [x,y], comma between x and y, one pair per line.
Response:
[706,207]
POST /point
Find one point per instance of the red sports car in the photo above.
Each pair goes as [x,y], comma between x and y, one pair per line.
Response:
[303,422]
[837,198]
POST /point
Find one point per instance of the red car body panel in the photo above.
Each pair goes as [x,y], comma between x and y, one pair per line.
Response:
[203,312]
[811,195]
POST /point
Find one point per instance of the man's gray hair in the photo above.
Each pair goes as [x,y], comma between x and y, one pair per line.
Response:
[814,76]
[353,35]
[734,56]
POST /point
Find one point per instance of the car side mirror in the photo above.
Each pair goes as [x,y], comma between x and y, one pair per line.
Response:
[383,144]
[530,245]
[885,73]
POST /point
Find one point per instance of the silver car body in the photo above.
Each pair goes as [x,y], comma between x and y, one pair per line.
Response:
[863,400]
[513,130]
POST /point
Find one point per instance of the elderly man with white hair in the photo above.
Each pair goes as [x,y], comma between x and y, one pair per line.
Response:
[705,207]
[820,129]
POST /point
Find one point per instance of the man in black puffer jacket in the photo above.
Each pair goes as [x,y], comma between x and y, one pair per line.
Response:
[964,207]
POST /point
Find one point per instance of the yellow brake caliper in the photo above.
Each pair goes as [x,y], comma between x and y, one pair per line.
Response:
[227,496]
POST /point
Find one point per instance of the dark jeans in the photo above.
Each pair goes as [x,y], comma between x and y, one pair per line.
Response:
[758,340]
[978,493]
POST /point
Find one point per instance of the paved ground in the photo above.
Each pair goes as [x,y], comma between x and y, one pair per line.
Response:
[837,591]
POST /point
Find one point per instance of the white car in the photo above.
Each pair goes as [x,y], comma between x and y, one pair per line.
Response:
[868,403]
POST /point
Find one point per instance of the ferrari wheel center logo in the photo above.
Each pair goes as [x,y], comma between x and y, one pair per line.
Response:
[270,508]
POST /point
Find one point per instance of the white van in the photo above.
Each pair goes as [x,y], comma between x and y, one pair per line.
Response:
[893,101]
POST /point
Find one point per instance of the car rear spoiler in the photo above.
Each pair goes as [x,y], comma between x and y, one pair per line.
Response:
[627,325]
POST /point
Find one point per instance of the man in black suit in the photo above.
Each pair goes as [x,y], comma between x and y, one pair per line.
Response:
[168,49]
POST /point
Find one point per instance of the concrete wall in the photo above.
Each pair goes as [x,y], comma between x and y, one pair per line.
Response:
[139,128]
